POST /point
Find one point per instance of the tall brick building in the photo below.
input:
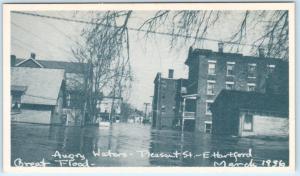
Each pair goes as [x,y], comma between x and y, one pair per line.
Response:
[166,105]
[210,72]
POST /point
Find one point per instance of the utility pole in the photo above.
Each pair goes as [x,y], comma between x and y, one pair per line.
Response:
[152,111]
[158,103]
[146,108]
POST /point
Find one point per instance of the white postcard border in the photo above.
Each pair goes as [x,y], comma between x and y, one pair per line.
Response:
[7,8]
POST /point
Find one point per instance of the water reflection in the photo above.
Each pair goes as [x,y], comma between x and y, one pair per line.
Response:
[34,142]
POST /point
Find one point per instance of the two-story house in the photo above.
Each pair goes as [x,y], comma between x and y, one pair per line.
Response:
[75,73]
[37,95]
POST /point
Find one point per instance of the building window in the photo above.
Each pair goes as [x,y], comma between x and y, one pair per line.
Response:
[229,85]
[248,122]
[68,100]
[208,105]
[251,87]
[270,68]
[251,70]
[230,68]
[98,106]
[16,103]
[211,87]
[183,90]
[211,67]
[208,126]
[163,108]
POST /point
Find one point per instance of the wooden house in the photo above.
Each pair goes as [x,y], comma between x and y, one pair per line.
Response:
[37,95]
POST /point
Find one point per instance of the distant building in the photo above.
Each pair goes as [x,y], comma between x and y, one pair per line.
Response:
[167,101]
[250,114]
[210,72]
[37,95]
[74,73]
[132,115]
[109,108]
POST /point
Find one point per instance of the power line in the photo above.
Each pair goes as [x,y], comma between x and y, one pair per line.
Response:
[131,28]
[21,46]
[49,43]
[62,33]
[25,44]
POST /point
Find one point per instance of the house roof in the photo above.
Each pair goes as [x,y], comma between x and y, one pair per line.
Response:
[32,60]
[74,70]
[267,102]
[18,88]
[69,67]
[43,85]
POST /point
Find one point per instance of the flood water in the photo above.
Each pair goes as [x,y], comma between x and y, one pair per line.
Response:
[135,145]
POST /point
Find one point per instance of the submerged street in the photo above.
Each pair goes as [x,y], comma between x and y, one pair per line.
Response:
[126,144]
[215,84]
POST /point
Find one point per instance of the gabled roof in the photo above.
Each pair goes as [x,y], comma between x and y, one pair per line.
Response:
[233,99]
[69,67]
[43,85]
[30,60]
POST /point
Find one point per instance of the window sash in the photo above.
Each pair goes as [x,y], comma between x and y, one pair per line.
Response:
[210,88]
[248,122]
[69,100]
[229,86]
[251,70]
[208,104]
[230,70]
[211,68]
[208,127]
[15,103]
[270,68]
[251,87]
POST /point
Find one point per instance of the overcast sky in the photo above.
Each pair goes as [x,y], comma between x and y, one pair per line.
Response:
[52,39]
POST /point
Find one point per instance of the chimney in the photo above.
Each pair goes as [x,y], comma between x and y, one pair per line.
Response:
[190,50]
[171,73]
[32,55]
[261,52]
[13,60]
[220,47]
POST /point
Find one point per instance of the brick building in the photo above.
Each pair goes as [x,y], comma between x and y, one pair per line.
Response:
[210,72]
[167,101]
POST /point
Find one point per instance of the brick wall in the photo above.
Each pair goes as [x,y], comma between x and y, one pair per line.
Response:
[168,103]
[241,80]
[164,102]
